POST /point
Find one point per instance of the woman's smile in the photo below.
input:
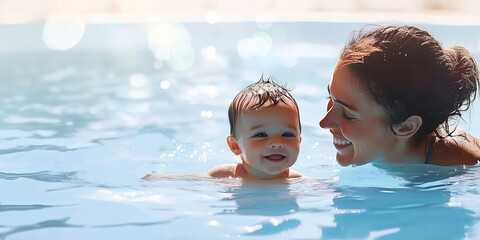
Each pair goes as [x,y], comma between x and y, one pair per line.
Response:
[341,143]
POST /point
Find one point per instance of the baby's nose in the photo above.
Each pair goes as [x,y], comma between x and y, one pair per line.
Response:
[276,145]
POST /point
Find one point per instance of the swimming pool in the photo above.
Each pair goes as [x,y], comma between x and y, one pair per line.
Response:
[89,109]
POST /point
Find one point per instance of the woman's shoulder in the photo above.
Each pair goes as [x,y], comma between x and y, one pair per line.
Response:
[459,149]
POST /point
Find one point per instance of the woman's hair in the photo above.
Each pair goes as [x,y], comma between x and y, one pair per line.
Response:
[264,93]
[408,72]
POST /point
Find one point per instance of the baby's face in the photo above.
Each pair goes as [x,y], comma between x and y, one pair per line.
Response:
[269,139]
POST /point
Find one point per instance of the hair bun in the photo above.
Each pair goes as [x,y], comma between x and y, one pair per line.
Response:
[464,75]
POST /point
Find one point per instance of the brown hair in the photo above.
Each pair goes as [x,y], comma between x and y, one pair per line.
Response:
[408,72]
[264,93]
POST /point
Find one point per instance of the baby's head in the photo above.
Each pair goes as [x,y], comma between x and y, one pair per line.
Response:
[265,128]
[262,94]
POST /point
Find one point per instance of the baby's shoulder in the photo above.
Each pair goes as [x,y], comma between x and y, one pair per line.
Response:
[226,170]
[293,174]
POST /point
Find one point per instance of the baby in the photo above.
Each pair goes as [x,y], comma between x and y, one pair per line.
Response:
[265,131]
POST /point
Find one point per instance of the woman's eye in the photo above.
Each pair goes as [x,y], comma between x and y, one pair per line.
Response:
[260,134]
[348,117]
[330,103]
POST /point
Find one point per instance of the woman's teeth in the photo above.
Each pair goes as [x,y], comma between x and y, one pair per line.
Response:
[341,142]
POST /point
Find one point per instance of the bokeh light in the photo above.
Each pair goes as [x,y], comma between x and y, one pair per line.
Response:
[140,86]
[182,57]
[211,17]
[206,114]
[265,21]
[171,44]
[259,45]
[165,84]
[138,80]
[62,33]
[209,52]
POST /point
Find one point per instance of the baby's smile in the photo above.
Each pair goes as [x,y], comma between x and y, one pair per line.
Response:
[275,157]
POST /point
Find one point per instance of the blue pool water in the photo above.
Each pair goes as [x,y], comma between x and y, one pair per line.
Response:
[89,109]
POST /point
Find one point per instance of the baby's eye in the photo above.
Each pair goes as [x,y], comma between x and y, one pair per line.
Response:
[288,134]
[260,134]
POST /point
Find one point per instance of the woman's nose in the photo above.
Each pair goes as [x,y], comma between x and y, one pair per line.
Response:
[328,120]
[325,122]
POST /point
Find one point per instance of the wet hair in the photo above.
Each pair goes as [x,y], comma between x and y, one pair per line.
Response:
[408,72]
[264,93]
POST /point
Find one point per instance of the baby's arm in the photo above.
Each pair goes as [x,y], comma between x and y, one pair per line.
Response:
[173,177]
[220,171]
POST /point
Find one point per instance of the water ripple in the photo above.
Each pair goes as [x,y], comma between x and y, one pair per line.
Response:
[7,208]
[132,224]
[273,226]
[54,223]
[44,176]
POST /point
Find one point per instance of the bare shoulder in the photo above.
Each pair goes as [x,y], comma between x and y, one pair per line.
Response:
[294,174]
[227,170]
[461,149]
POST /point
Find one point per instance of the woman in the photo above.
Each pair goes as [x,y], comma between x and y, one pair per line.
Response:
[393,95]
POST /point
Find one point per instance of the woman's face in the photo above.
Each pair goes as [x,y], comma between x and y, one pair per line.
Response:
[357,123]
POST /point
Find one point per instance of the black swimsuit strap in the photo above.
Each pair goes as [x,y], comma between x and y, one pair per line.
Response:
[429,152]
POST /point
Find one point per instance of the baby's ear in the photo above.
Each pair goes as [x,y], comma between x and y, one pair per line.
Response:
[409,127]
[233,145]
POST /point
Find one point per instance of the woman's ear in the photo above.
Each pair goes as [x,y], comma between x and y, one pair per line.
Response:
[409,127]
[233,145]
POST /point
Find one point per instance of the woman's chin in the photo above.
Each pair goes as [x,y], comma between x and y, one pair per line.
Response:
[344,160]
